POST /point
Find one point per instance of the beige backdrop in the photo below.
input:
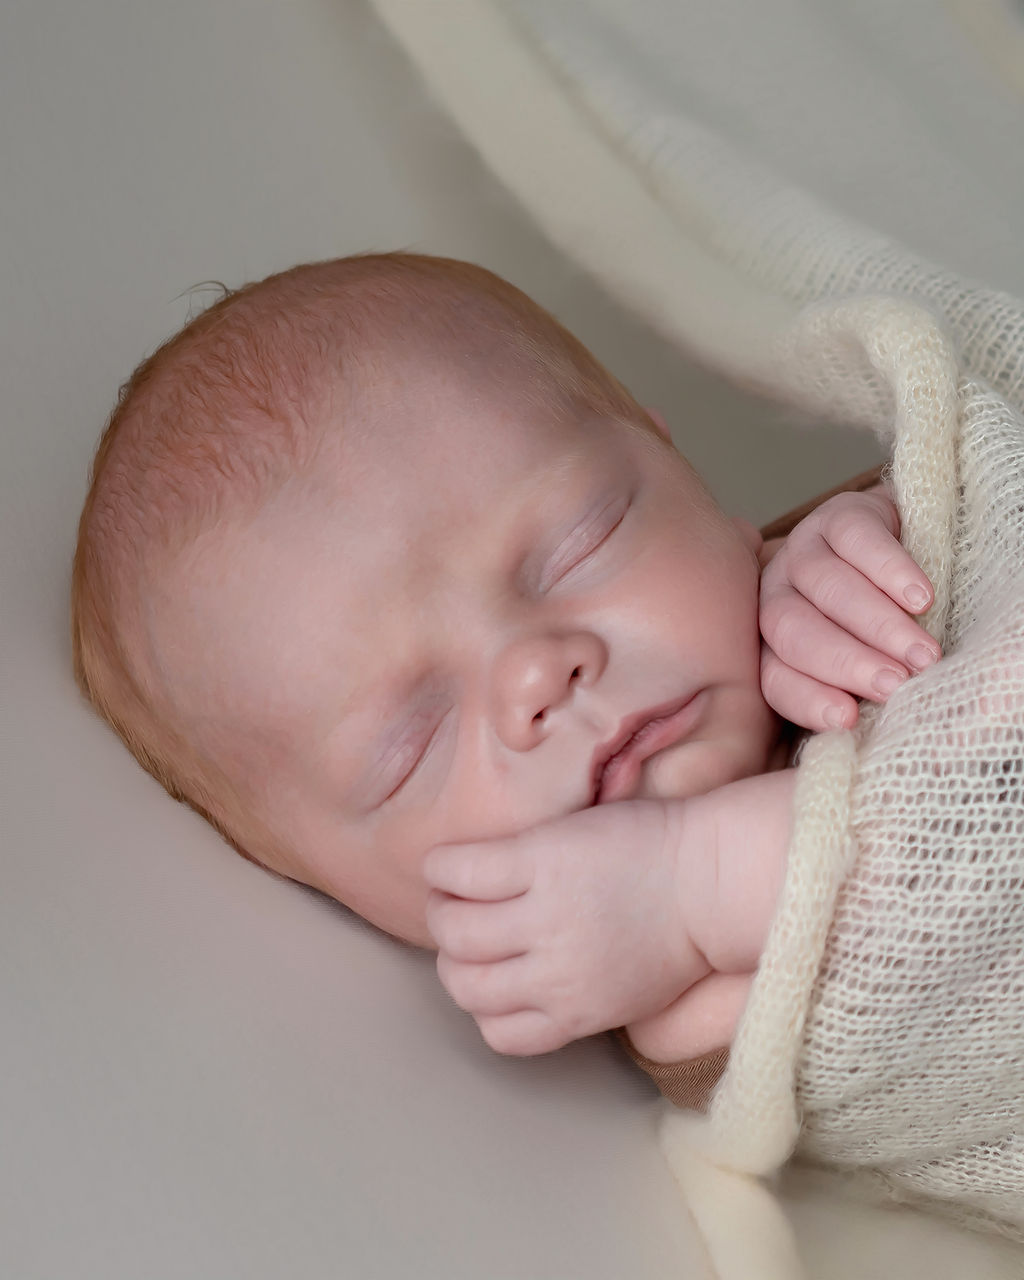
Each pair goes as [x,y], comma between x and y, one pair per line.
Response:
[206,1072]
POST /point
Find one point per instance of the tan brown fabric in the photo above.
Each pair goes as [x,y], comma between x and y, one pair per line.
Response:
[686,1084]
[689,1084]
[784,525]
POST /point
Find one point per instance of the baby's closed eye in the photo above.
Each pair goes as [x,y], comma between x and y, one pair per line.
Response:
[417,740]
[586,539]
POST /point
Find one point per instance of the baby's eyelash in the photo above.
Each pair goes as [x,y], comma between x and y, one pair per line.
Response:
[581,545]
[411,757]
[406,770]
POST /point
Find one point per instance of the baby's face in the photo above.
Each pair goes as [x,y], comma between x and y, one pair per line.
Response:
[479,620]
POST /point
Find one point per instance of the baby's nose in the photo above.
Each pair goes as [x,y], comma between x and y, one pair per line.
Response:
[535,675]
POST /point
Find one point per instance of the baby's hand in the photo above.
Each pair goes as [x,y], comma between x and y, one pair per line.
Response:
[834,606]
[566,929]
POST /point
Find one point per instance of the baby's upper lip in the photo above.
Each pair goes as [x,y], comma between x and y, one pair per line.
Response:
[627,730]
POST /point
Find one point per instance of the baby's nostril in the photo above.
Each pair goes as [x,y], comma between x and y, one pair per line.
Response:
[575,674]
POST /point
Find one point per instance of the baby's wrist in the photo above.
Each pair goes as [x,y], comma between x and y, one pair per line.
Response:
[691,835]
[733,847]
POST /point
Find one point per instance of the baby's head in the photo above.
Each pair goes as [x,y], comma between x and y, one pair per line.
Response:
[376,556]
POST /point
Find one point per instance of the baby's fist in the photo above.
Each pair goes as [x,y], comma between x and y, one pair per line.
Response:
[566,929]
[834,613]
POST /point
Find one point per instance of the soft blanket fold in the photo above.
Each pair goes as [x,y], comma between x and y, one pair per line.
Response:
[885,1030]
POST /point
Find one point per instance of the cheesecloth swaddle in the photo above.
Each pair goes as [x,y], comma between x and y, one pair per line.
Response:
[884,1035]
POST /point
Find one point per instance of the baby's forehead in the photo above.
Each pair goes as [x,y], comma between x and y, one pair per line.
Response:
[420,427]
[391,501]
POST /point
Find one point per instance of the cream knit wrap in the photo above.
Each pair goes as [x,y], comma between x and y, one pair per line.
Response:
[885,1030]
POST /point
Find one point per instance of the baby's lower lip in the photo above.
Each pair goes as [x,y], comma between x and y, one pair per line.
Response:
[622,772]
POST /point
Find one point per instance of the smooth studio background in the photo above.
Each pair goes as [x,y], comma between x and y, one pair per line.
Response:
[207,1072]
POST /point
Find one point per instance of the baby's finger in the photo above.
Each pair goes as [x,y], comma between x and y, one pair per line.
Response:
[486,990]
[526,1032]
[803,701]
[488,870]
[799,635]
[473,931]
[845,596]
[872,548]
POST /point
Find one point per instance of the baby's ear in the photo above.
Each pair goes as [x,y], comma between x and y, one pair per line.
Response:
[749,534]
[659,422]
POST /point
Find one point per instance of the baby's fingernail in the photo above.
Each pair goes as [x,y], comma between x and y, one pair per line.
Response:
[834,717]
[887,680]
[916,597]
[920,656]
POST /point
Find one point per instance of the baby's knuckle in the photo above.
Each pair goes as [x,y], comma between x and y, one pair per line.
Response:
[773,677]
[888,633]
[893,565]
[844,504]
[885,509]
[784,630]
[846,528]
[826,514]
[850,523]
[778,585]
[775,577]
[826,588]
[801,535]
[779,695]
[773,609]
[845,665]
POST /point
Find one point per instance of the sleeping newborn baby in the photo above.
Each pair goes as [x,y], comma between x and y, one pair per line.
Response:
[388,578]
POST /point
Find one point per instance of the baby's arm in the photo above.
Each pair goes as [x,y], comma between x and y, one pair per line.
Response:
[752,822]
[605,917]
[835,600]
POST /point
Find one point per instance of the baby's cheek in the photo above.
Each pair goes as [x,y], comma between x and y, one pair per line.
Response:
[489,806]
[695,768]
[690,770]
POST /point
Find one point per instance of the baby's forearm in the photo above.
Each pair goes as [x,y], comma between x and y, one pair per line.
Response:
[609,914]
[735,841]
